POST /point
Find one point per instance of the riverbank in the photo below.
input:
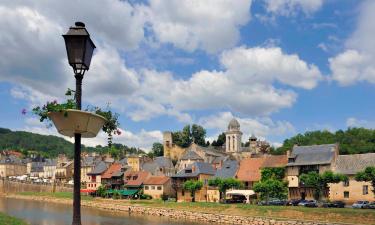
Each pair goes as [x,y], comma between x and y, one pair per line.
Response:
[216,213]
[9,220]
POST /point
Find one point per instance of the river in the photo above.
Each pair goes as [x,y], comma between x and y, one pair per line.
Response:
[46,213]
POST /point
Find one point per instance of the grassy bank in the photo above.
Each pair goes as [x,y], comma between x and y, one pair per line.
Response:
[337,215]
[8,220]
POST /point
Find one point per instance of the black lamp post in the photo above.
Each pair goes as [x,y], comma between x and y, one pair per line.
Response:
[79,48]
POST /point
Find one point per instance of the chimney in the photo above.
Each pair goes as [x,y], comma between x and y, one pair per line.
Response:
[193,168]
[288,153]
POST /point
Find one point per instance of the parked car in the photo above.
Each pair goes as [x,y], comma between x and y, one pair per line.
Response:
[294,202]
[334,204]
[371,205]
[273,202]
[234,199]
[302,202]
[311,204]
[360,204]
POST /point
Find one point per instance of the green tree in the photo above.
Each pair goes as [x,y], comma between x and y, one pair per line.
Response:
[157,149]
[319,182]
[271,188]
[367,175]
[220,140]
[277,173]
[100,191]
[189,134]
[225,184]
[193,186]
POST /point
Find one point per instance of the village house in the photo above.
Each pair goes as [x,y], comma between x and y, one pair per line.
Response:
[37,169]
[88,163]
[249,171]
[159,166]
[197,171]
[49,169]
[95,176]
[10,165]
[136,162]
[156,186]
[352,190]
[304,159]
[64,172]
[134,180]
[113,177]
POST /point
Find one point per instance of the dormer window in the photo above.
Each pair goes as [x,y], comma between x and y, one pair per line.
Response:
[188,171]
[291,160]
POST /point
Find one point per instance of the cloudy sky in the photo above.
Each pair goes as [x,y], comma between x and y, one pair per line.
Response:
[279,66]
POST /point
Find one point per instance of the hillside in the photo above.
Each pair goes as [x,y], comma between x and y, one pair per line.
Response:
[48,145]
[351,141]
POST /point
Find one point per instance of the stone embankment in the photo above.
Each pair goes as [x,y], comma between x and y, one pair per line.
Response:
[209,218]
[9,186]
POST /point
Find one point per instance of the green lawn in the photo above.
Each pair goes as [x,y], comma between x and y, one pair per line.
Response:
[66,195]
[8,220]
[337,215]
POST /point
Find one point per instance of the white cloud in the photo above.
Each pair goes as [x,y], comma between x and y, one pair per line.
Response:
[245,86]
[292,7]
[210,25]
[354,122]
[355,63]
[261,127]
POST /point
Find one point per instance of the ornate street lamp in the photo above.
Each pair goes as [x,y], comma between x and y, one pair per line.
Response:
[79,48]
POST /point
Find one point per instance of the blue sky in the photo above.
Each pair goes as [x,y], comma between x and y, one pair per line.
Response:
[279,66]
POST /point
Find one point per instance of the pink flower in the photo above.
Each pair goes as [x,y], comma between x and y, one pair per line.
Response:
[118,132]
[23,111]
[55,101]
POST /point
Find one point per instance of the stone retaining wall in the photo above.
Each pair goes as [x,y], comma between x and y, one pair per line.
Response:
[8,186]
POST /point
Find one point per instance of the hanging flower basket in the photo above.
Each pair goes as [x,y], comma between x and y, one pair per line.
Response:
[71,121]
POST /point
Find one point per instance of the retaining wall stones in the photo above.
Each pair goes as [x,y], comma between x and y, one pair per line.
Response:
[8,186]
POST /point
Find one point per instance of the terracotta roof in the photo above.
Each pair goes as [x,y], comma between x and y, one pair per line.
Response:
[157,180]
[249,169]
[113,169]
[275,161]
[135,178]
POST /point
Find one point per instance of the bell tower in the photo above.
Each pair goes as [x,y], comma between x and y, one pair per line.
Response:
[233,137]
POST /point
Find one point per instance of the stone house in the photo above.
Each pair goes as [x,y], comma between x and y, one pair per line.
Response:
[95,176]
[197,171]
[136,162]
[304,159]
[249,171]
[88,164]
[134,180]
[156,186]
[64,171]
[12,166]
[49,168]
[159,166]
[352,190]
[113,177]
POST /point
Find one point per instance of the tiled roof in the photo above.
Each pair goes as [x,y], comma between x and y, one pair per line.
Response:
[275,161]
[228,170]
[163,162]
[313,154]
[135,179]
[191,155]
[351,164]
[157,180]
[100,168]
[112,171]
[196,168]
[249,169]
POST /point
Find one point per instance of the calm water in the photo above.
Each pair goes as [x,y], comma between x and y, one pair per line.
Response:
[41,213]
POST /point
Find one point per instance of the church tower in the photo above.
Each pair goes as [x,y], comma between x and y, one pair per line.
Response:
[233,137]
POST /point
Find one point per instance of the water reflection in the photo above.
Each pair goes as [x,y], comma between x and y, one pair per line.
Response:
[41,213]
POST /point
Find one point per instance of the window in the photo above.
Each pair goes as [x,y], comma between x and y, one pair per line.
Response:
[152,187]
[346,183]
[183,192]
[365,189]
[346,194]
[135,177]
[159,188]
[146,187]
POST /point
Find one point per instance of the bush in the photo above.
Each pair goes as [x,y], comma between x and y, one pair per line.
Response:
[164,197]
[145,196]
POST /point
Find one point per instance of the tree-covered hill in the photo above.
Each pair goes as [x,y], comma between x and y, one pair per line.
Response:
[351,141]
[48,145]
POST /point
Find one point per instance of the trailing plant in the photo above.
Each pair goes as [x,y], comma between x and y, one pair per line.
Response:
[110,127]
